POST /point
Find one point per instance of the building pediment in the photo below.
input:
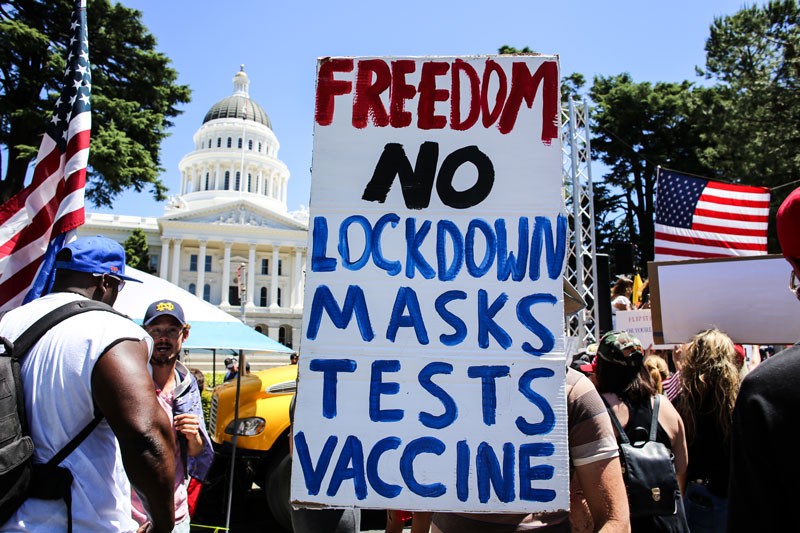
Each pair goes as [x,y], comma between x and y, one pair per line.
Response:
[241,214]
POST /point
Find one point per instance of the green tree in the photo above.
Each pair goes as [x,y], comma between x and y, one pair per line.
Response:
[754,117]
[637,127]
[134,93]
[137,252]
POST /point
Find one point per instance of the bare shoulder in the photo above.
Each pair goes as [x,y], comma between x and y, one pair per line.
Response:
[668,416]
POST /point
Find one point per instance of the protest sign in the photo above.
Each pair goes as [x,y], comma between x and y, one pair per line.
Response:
[639,323]
[432,358]
[746,297]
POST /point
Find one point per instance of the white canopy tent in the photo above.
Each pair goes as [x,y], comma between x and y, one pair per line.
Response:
[212,328]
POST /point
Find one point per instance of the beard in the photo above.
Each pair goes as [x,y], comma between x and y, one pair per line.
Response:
[163,355]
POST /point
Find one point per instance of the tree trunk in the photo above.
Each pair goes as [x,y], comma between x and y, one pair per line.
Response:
[14,180]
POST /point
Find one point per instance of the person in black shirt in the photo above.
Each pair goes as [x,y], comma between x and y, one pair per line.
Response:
[710,385]
[764,467]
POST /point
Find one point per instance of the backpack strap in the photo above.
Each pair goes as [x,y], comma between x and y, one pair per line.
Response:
[623,437]
[654,420]
[49,480]
[31,336]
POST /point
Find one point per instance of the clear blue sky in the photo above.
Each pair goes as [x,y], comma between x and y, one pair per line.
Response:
[279,43]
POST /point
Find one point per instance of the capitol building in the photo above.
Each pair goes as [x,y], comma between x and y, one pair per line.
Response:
[228,237]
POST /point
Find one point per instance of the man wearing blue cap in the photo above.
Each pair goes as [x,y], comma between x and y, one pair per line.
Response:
[89,365]
[179,397]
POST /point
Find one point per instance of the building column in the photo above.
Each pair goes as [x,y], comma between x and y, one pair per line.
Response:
[162,271]
[176,261]
[201,270]
[183,183]
[270,184]
[216,188]
[283,191]
[297,282]
[226,275]
[251,274]
[296,333]
[273,287]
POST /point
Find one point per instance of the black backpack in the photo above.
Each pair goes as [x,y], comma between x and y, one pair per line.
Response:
[648,469]
[20,478]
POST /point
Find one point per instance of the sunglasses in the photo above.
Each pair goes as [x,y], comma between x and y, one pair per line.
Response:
[120,281]
[794,284]
[170,333]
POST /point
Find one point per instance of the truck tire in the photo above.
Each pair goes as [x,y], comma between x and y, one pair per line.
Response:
[277,492]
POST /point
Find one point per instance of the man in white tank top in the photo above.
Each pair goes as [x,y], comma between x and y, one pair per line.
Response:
[94,362]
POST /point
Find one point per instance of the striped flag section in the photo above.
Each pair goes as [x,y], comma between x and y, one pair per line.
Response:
[697,218]
[37,222]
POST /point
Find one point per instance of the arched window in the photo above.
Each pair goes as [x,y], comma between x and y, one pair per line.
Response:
[250,144]
[207,292]
[227,184]
[259,147]
[282,335]
[229,142]
[238,180]
[239,144]
[280,297]
[249,182]
[262,301]
[192,287]
[208,180]
[219,142]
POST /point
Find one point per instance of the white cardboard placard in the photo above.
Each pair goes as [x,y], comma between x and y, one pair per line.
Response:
[432,356]
[639,323]
[747,298]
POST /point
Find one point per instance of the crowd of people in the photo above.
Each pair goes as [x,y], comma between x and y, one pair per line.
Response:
[726,418]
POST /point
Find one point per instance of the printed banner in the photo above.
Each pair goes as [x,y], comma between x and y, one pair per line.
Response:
[432,356]
[639,323]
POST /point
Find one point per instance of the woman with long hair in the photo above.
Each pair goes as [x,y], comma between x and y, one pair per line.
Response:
[658,370]
[711,382]
[625,385]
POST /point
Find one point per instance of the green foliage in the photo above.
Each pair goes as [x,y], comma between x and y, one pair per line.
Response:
[137,251]
[754,133]
[135,93]
[505,49]
[205,399]
[637,127]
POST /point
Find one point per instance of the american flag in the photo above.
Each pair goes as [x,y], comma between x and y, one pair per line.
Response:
[36,222]
[697,218]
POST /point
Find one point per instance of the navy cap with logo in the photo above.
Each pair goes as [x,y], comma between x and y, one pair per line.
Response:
[96,255]
[164,307]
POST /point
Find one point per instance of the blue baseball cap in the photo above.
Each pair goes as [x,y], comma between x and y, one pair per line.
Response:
[96,255]
[164,307]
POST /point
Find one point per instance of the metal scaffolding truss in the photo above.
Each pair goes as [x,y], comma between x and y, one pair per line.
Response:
[581,257]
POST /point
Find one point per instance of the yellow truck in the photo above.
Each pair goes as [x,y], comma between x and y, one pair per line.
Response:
[262,437]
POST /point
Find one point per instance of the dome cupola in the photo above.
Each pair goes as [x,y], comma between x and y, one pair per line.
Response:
[239,104]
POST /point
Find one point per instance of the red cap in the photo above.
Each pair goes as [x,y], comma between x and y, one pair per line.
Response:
[740,353]
[591,367]
[788,223]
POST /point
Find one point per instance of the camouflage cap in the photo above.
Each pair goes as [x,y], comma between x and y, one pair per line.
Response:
[621,348]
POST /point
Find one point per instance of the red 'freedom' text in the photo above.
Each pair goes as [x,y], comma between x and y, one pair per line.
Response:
[439,81]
